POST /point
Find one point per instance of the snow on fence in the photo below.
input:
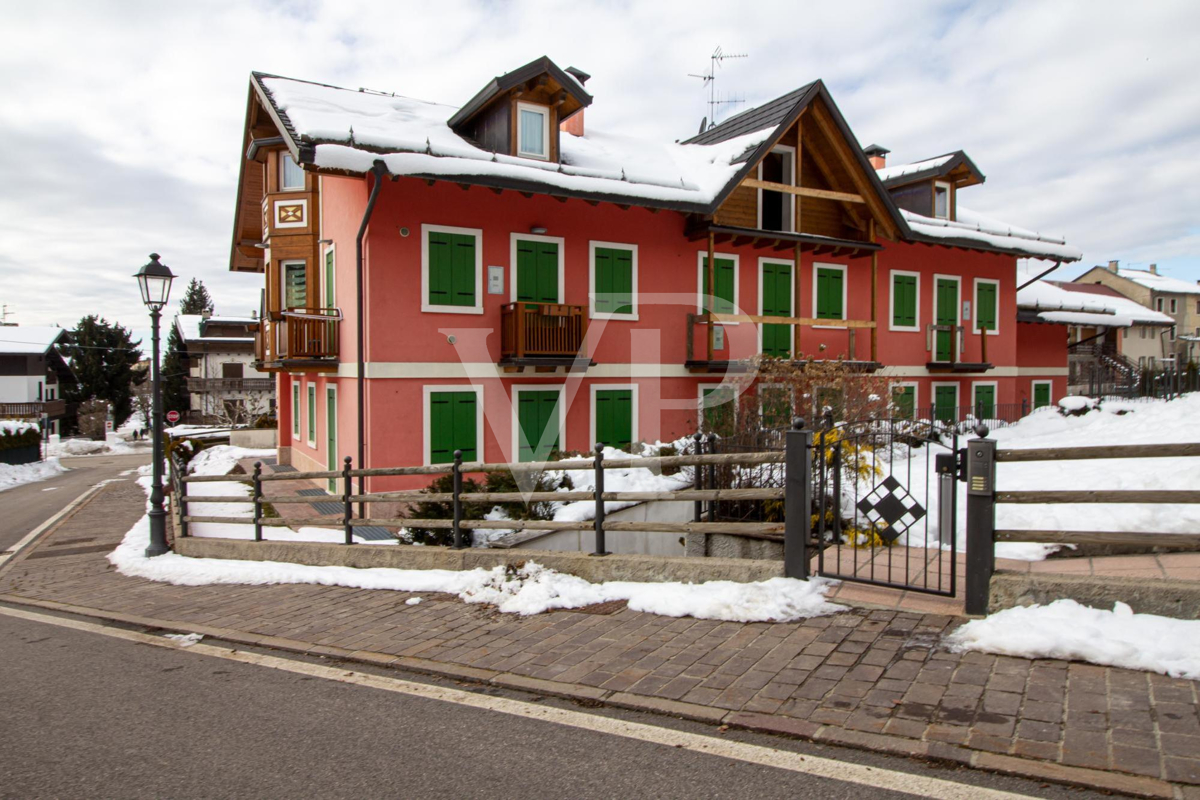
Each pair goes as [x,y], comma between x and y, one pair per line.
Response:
[794,534]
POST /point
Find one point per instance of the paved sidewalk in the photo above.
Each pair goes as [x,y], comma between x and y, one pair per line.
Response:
[877,679]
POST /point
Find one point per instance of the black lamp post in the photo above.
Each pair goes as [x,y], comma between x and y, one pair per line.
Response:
[154,280]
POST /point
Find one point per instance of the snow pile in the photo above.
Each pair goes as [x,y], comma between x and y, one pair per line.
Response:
[185,639]
[13,427]
[626,479]
[17,474]
[1065,629]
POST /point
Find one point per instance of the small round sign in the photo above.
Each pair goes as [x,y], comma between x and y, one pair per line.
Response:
[172,417]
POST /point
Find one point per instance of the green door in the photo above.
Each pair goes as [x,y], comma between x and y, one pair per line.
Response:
[985,402]
[717,410]
[777,302]
[452,418]
[331,455]
[537,417]
[725,276]
[537,271]
[1041,395]
[946,313]
[904,401]
[614,417]
[945,398]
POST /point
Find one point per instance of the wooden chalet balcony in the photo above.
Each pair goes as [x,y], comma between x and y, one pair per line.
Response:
[541,334]
[936,344]
[702,355]
[230,384]
[300,337]
[34,410]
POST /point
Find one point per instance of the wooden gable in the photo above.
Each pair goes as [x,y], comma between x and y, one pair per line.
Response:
[248,219]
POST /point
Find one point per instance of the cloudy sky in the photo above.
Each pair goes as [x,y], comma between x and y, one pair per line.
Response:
[120,122]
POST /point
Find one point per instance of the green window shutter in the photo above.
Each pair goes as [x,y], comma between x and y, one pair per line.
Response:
[440,259]
[1041,395]
[777,302]
[614,280]
[296,410]
[985,306]
[463,280]
[312,413]
[329,282]
[603,289]
[451,269]
[829,293]
[537,412]
[725,284]
[776,406]
[537,271]
[614,417]
[985,402]
[904,399]
[943,401]
[452,417]
[904,300]
[718,411]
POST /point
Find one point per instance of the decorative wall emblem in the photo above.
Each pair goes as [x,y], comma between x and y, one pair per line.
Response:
[291,213]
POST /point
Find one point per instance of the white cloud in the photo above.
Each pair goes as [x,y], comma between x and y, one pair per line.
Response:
[122,122]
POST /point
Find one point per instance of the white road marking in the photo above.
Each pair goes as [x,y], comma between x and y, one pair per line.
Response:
[841,771]
[40,529]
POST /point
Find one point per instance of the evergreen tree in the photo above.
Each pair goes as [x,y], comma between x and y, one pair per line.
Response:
[102,358]
[196,300]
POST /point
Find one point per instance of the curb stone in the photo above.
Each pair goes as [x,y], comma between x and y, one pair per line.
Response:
[798,729]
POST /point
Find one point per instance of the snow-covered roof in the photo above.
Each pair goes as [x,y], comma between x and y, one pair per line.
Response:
[901,170]
[191,325]
[976,228]
[16,339]
[1057,303]
[353,129]
[1159,283]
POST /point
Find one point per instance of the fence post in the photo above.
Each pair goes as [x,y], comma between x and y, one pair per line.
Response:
[257,501]
[182,499]
[600,551]
[347,509]
[1024,406]
[712,477]
[698,477]
[457,500]
[981,520]
[797,500]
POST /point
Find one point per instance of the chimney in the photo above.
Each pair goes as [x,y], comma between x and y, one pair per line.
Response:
[1112,267]
[877,155]
[1154,269]
[574,124]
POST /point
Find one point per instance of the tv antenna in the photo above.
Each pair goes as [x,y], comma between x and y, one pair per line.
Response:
[5,314]
[710,80]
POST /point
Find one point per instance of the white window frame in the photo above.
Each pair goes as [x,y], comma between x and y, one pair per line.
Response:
[517,390]
[545,112]
[975,300]
[916,387]
[283,265]
[916,328]
[958,344]
[330,302]
[995,394]
[634,434]
[737,281]
[426,433]
[949,199]
[284,157]
[1035,383]
[790,215]
[310,410]
[432,308]
[845,286]
[933,387]
[763,260]
[513,239]
[592,312]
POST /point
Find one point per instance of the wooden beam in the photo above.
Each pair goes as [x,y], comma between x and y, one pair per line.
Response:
[1139,496]
[851,165]
[796,285]
[804,191]
[497,190]
[1144,539]
[559,199]
[1102,451]
[759,320]
[874,291]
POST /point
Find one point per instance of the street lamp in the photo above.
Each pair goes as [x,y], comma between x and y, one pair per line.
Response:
[154,280]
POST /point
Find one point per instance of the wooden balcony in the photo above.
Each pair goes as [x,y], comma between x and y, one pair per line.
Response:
[34,410]
[230,384]
[956,346]
[705,354]
[541,334]
[306,338]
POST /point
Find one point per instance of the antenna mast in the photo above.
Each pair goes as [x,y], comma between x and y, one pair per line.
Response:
[710,80]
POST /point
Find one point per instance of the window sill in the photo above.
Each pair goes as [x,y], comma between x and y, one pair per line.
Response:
[614,317]
[428,309]
[901,329]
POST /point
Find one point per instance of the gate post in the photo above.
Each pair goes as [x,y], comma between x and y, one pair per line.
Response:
[981,520]
[797,500]
[257,484]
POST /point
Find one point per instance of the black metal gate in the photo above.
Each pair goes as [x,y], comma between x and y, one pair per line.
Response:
[884,499]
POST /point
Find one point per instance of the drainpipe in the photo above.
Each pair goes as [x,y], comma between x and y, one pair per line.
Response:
[379,169]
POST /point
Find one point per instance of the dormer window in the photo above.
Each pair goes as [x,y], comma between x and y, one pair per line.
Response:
[291,176]
[533,131]
[941,200]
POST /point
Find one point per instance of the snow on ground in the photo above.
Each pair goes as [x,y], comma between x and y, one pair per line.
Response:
[221,460]
[15,426]
[1067,630]
[89,447]
[17,474]
[531,589]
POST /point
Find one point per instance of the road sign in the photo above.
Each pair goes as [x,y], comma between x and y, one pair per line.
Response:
[172,417]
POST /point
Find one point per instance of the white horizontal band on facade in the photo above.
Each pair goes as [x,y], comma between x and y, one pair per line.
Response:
[437,370]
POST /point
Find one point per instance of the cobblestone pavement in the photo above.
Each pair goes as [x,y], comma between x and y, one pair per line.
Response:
[870,678]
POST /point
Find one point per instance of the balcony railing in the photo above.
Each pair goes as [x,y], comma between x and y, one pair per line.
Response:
[48,408]
[300,334]
[230,384]
[542,330]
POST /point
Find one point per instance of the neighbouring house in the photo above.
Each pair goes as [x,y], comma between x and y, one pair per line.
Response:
[1179,343]
[502,279]
[224,383]
[1107,336]
[33,374]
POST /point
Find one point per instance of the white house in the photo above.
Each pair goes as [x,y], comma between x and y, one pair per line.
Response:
[222,381]
[32,373]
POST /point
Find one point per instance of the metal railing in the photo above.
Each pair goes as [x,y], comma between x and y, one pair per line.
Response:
[541,330]
[230,384]
[43,408]
[794,532]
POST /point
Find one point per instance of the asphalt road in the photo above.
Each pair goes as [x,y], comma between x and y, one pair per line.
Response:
[85,715]
[24,507]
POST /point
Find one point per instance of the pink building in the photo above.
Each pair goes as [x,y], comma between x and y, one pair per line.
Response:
[502,280]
